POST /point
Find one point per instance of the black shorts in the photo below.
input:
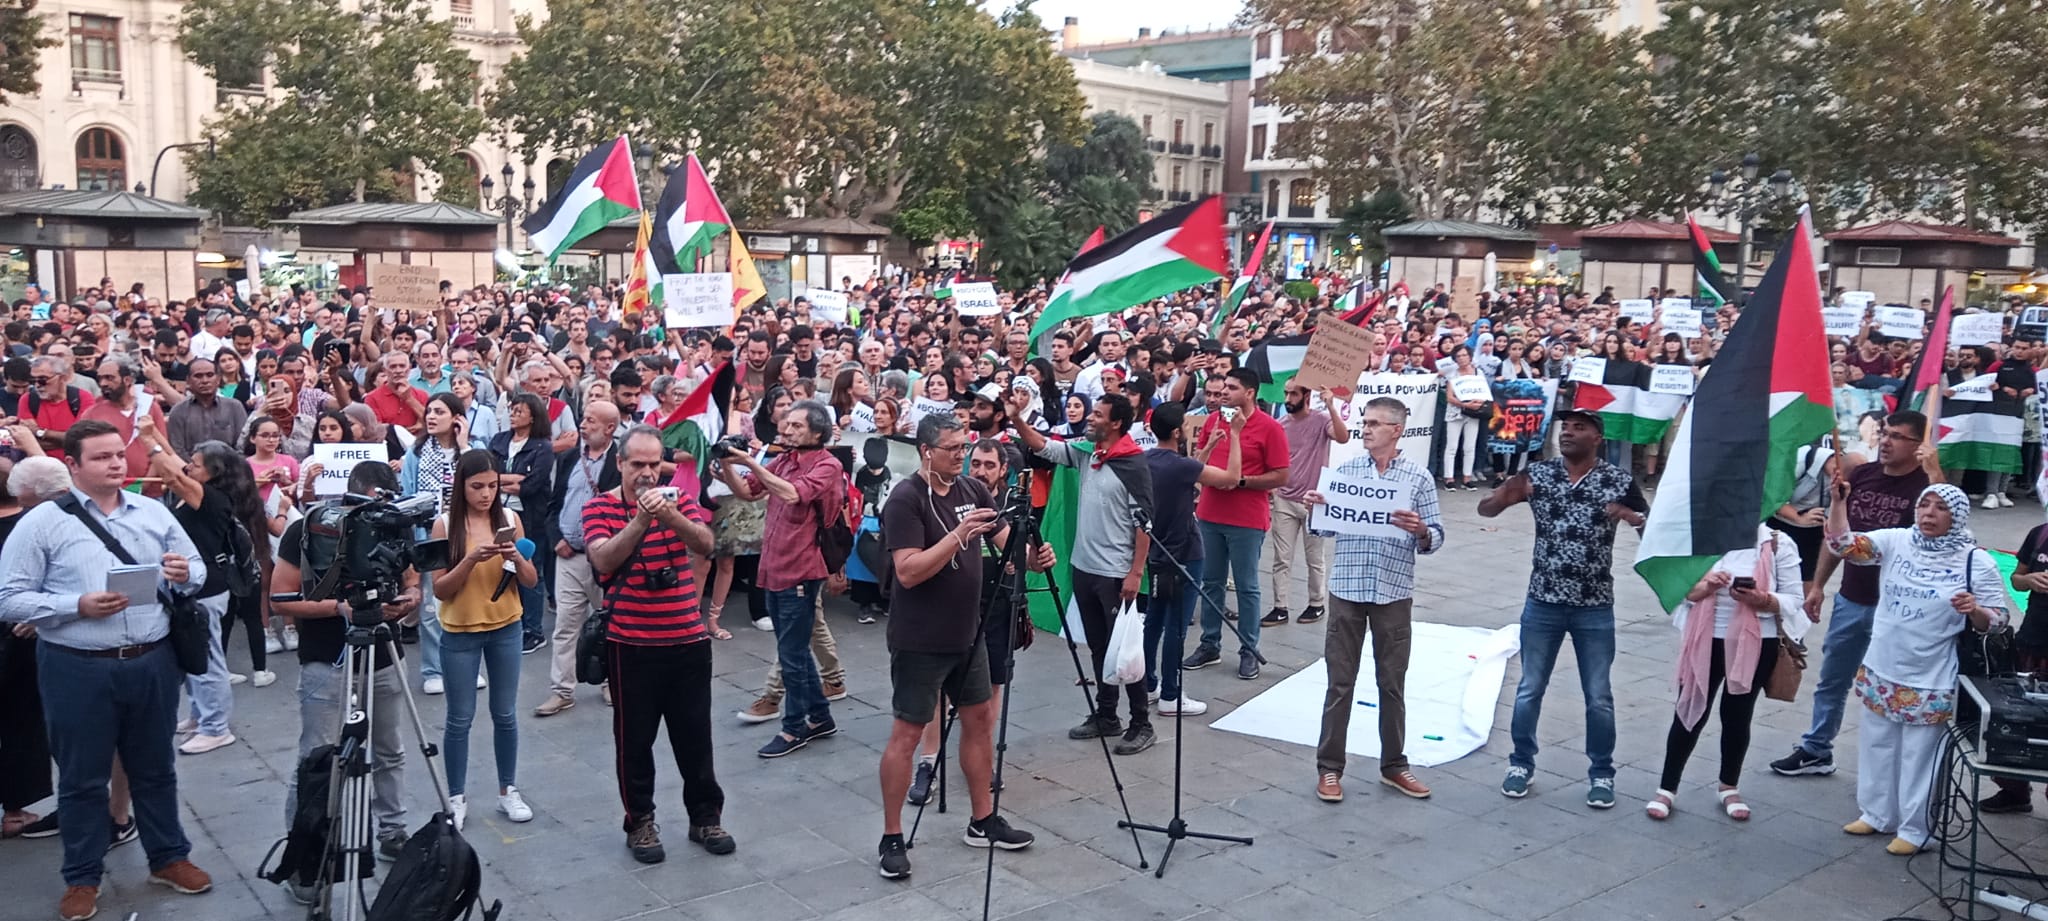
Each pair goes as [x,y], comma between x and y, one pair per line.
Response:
[920,677]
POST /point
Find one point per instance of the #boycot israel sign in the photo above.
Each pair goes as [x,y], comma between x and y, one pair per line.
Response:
[1362,507]
[337,461]
[975,299]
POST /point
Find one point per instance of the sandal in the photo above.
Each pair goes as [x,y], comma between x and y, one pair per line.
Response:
[1660,808]
[1737,810]
[711,612]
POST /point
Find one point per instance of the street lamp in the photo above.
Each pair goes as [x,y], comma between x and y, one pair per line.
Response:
[1746,198]
[211,152]
[643,156]
[508,205]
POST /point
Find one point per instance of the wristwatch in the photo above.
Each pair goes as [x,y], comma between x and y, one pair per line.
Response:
[1240,483]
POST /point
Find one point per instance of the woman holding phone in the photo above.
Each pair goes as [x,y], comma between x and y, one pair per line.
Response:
[429,469]
[480,616]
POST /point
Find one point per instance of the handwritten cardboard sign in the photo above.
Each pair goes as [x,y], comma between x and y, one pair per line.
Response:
[1337,353]
[405,287]
[1976,328]
[697,299]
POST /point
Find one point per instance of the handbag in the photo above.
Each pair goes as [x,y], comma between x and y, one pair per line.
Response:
[593,642]
[1788,668]
[191,637]
[1982,655]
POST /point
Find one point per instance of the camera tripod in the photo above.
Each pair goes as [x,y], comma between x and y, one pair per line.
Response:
[1013,594]
[352,836]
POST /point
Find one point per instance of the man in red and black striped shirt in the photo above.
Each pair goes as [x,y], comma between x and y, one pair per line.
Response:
[640,543]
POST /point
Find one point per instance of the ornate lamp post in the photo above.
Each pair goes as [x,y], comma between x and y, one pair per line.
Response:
[1746,198]
[507,205]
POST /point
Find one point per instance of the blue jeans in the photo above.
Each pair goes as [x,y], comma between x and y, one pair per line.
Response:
[1167,618]
[794,611]
[1848,638]
[320,709]
[1544,627]
[95,709]
[213,698]
[464,653]
[1616,453]
[532,610]
[430,629]
[1232,551]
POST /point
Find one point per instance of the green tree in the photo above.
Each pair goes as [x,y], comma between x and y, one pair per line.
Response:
[1368,217]
[21,41]
[851,107]
[936,214]
[367,94]
[1113,148]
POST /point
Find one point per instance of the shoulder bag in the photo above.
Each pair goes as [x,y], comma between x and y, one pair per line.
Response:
[1982,655]
[1790,666]
[191,638]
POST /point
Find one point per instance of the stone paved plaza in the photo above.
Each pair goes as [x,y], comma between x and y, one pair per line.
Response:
[807,824]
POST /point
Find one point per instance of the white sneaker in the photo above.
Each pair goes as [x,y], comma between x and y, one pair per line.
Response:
[764,624]
[433,686]
[514,806]
[291,637]
[201,744]
[1185,706]
[237,678]
[262,679]
[271,644]
[480,682]
[459,805]
[1990,500]
[187,726]
[2005,500]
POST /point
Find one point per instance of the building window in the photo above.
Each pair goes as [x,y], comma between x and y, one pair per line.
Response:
[1259,91]
[20,166]
[1180,130]
[95,48]
[1301,198]
[1262,46]
[1258,142]
[102,161]
[1176,185]
[462,13]
[1208,134]
[1297,41]
[1145,123]
[1273,198]
[1208,180]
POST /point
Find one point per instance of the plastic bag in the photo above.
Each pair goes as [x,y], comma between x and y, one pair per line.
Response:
[1123,661]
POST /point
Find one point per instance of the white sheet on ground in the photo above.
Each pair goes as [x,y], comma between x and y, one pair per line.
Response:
[1454,681]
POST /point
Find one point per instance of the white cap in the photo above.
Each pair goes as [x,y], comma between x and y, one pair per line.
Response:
[991,393]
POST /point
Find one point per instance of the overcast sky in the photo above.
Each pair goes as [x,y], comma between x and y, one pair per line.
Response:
[1121,19]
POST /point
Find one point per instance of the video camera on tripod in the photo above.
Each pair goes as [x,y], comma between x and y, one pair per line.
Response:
[358,548]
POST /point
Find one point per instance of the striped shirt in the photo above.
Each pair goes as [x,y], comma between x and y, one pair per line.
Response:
[643,615]
[1381,570]
[50,560]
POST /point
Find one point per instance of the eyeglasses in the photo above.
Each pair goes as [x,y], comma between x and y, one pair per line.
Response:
[41,381]
[953,449]
[1894,436]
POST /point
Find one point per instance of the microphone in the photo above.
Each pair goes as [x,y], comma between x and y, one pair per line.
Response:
[511,569]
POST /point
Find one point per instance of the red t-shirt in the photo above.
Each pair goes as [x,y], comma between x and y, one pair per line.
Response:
[124,423]
[55,417]
[643,614]
[391,410]
[1265,450]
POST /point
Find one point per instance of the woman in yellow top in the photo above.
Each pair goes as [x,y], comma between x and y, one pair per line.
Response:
[480,617]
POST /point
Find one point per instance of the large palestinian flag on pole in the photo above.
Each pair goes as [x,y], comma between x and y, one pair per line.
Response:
[601,189]
[1178,249]
[1628,410]
[1713,290]
[1242,284]
[688,220]
[1767,394]
[1974,432]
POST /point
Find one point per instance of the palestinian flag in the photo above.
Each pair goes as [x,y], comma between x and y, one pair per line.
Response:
[601,189]
[1178,249]
[747,286]
[700,420]
[1242,285]
[643,283]
[1973,434]
[1925,381]
[1627,408]
[1360,313]
[1276,361]
[1042,342]
[1713,290]
[1348,301]
[1766,395]
[688,221]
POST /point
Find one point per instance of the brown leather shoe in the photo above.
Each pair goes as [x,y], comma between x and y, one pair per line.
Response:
[183,877]
[555,703]
[1330,787]
[79,903]
[761,710]
[1406,783]
[835,690]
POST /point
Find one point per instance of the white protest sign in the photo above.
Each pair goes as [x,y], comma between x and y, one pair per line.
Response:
[1417,391]
[1901,322]
[1471,388]
[1142,436]
[1638,309]
[829,306]
[1447,366]
[1843,321]
[1858,298]
[1673,379]
[1589,370]
[925,406]
[1682,320]
[1675,303]
[1976,328]
[975,299]
[695,299]
[337,461]
[1977,389]
[1361,506]
[861,418]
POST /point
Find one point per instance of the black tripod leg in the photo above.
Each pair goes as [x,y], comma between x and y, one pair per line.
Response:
[938,776]
[1081,673]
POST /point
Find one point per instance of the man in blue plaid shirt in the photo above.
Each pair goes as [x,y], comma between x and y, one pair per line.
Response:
[1372,583]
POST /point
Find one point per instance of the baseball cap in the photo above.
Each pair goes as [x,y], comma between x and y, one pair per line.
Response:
[990,392]
[1590,418]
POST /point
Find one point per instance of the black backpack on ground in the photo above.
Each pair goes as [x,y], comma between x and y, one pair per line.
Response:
[306,843]
[436,878]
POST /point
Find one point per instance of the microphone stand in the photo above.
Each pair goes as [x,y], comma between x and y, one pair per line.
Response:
[1176,828]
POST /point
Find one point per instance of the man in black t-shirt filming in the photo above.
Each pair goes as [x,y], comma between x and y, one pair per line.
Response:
[323,626]
[932,526]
